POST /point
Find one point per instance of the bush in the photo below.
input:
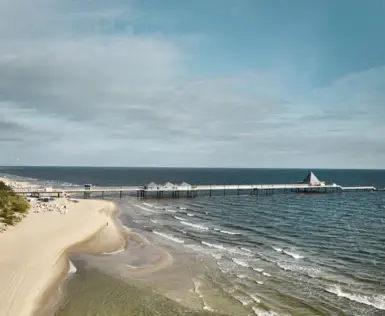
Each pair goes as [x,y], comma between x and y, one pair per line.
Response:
[12,206]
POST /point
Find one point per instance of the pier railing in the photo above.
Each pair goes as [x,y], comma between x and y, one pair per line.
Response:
[192,190]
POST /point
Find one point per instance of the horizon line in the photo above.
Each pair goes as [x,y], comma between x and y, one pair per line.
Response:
[185,167]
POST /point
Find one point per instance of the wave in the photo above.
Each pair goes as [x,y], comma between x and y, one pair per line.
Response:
[277,249]
[241,262]
[196,248]
[293,254]
[216,256]
[72,269]
[131,267]
[148,204]
[310,271]
[197,287]
[260,270]
[244,300]
[262,312]
[255,298]
[114,252]
[377,301]
[266,274]
[181,231]
[241,251]
[216,246]
[145,208]
[154,221]
[179,218]
[181,208]
[169,210]
[197,226]
[229,233]
[170,237]
[191,215]
[247,250]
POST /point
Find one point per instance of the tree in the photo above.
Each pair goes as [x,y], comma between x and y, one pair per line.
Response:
[12,206]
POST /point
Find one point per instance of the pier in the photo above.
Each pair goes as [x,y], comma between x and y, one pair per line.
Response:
[310,185]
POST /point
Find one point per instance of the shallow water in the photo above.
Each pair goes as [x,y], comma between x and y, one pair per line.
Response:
[94,293]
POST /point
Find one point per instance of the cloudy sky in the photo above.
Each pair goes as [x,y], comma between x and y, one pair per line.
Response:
[214,83]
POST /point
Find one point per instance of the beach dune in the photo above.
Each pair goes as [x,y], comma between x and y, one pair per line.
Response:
[31,253]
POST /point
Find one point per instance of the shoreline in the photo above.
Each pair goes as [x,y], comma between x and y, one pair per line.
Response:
[35,252]
[51,299]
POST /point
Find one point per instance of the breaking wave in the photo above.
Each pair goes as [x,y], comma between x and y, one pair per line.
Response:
[377,301]
[169,237]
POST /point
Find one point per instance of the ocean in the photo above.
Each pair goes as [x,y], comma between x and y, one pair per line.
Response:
[282,254]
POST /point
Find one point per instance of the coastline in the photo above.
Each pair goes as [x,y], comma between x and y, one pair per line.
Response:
[34,257]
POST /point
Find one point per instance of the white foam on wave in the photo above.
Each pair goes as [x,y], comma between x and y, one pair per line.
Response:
[114,252]
[377,301]
[228,232]
[216,256]
[196,248]
[154,221]
[277,249]
[181,231]
[181,207]
[144,208]
[216,246]
[179,218]
[255,298]
[247,250]
[240,251]
[131,267]
[197,226]
[72,269]
[244,300]
[169,237]
[266,274]
[310,271]
[260,270]
[197,290]
[169,210]
[191,215]
[241,263]
[293,254]
[148,204]
[261,312]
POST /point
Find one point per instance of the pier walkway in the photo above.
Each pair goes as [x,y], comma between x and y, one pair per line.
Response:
[193,190]
[310,184]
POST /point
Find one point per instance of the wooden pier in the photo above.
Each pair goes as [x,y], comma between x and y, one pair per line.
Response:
[310,185]
[193,191]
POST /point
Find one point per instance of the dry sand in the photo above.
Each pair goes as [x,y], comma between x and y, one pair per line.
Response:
[31,253]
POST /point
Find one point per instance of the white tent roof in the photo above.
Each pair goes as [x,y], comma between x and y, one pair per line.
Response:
[152,184]
[168,184]
[311,178]
[185,184]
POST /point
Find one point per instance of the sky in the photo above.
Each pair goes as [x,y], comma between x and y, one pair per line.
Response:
[203,83]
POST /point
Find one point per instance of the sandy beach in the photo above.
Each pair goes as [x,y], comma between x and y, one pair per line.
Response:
[31,257]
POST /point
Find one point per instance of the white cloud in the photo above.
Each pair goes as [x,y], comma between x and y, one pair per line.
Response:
[96,92]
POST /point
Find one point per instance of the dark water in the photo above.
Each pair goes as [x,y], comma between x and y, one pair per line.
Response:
[296,254]
[139,176]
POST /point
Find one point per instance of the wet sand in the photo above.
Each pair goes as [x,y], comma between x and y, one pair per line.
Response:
[149,277]
[92,292]
[33,253]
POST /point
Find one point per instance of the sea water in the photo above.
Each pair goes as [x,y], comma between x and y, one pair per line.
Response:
[292,254]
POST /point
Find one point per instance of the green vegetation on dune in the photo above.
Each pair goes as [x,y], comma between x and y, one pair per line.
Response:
[13,207]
